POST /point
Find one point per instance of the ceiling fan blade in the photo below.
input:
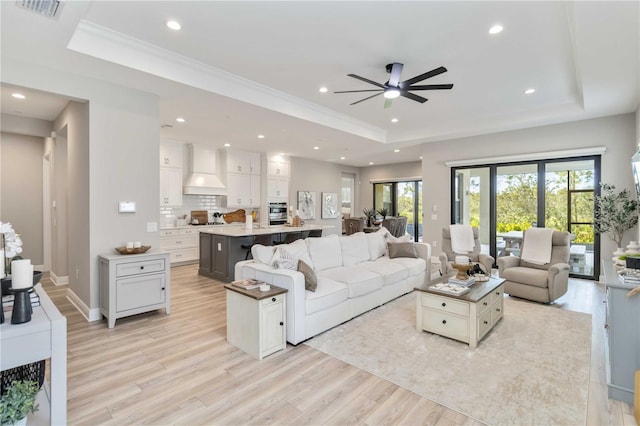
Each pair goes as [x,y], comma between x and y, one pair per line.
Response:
[413,97]
[356,91]
[368,97]
[396,69]
[366,80]
[431,87]
[388,102]
[421,77]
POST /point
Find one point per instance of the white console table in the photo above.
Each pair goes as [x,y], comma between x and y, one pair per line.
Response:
[45,336]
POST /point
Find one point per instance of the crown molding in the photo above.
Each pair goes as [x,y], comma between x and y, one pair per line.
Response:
[103,43]
[568,153]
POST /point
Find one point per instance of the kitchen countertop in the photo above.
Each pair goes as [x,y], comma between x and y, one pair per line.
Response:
[202,226]
[241,231]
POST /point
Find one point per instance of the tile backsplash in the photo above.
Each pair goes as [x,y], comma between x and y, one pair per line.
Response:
[211,203]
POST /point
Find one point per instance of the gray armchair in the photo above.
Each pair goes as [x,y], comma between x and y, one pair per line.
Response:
[541,283]
[397,226]
[447,256]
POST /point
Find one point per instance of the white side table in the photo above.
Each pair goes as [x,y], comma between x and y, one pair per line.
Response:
[256,320]
[45,336]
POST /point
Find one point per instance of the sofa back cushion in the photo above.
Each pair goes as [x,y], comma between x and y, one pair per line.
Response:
[325,252]
[377,243]
[355,249]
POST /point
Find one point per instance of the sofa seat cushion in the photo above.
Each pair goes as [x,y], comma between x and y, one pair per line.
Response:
[529,276]
[413,266]
[391,271]
[328,293]
[358,280]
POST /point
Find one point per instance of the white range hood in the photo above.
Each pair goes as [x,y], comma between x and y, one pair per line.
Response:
[203,179]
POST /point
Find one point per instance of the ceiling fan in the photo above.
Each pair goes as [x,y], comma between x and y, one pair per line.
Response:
[394,87]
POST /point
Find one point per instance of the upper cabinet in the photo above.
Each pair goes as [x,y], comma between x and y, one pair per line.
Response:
[170,154]
[278,167]
[243,162]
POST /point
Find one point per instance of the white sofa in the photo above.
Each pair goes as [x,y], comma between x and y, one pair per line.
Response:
[354,274]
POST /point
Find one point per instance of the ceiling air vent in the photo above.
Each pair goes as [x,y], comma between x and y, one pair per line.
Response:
[48,8]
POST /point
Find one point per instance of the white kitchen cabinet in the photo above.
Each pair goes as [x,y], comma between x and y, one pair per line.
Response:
[243,190]
[243,162]
[170,187]
[171,155]
[277,188]
[278,168]
[181,244]
[133,284]
[256,320]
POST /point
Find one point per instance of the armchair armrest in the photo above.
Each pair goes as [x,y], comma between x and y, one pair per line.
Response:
[486,262]
[506,262]
[444,263]
[558,280]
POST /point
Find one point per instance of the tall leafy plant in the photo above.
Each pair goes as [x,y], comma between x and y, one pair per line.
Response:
[615,212]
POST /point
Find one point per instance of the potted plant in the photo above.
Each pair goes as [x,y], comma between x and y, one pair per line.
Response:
[18,402]
[369,214]
[615,213]
[383,212]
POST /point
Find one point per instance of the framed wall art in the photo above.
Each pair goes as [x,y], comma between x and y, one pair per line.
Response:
[307,204]
[329,205]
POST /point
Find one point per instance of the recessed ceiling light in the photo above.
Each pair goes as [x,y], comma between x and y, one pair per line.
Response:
[281,154]
[323,89]
[18,96]
[371,163]
[180,120]
[394,120]
[421,157]
[495,29]
[174,25]
[227,145]
[343,158]
[529,91]
[316,147]
[396,150]
[260,136]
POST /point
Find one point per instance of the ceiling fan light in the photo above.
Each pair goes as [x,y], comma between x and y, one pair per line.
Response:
[391,93]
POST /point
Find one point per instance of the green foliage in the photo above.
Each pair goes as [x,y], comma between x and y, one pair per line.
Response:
[369,212]
[383,212]
[615,213]
[18,401]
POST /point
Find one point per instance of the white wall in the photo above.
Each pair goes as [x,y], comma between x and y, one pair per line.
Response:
[318,176]
[616,133]
[113,156]
[26,125]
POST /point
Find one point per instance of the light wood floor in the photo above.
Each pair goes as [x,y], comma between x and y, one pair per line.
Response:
[178,369]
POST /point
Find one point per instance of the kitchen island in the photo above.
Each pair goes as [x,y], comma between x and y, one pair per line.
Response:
[221,247]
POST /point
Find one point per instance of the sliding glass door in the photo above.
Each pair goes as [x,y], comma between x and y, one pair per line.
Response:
[504,200]
[401,199]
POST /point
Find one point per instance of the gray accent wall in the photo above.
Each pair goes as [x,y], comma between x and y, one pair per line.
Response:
[616,133]
[21,190]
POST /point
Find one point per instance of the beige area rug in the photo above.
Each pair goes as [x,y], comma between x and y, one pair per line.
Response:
[531,369]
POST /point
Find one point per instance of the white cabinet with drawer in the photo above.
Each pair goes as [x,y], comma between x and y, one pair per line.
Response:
[133,284]
[467,318]
[180,243]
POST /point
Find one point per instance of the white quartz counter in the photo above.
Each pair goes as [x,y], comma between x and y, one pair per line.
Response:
[241,231]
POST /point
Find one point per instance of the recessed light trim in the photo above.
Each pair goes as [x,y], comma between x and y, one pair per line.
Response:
[316,147]
[227,145]
[530,91]
[496,29]
[323,89]
[173,25]
[394,120]
[396,150]
[180,120]
[343,158]
[260,136]
[371,163]
[18,96]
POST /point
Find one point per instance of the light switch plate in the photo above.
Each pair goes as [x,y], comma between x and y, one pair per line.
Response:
[127,207]
[152,226]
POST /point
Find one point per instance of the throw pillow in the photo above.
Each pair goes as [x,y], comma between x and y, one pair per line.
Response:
[402,250]
[283,259]
[310,279]
[262,254]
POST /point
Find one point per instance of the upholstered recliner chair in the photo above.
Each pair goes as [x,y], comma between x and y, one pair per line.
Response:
[541,283]
[447,256]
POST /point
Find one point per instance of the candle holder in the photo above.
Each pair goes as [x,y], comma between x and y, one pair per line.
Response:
[21,305]
[462,270]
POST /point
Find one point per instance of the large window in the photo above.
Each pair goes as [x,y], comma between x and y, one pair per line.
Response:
[401,199]
[504,200]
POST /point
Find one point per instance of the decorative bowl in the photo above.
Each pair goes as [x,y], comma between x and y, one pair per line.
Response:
[137,250]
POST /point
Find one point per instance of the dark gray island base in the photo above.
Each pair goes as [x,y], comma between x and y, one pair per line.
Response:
[221,249]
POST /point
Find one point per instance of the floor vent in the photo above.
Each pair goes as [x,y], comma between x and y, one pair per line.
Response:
[48,8]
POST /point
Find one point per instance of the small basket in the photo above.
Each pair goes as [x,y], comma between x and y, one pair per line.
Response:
[33,372]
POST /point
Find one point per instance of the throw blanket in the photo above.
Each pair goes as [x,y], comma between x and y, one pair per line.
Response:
[461,238]
[537,246]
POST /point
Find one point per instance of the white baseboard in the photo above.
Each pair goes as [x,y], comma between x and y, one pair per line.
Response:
[89,314]
[56,280]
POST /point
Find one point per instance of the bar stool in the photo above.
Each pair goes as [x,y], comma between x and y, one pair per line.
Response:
[264,239]
[291,237]
[315,233]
